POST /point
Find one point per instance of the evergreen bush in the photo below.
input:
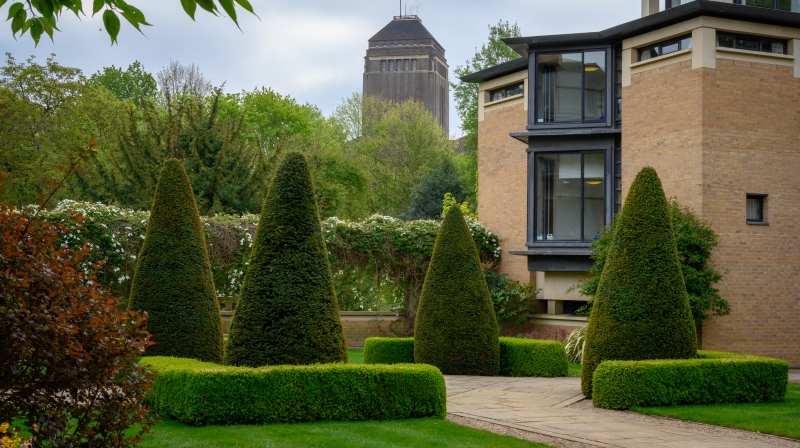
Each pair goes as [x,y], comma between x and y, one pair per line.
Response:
[641,310]
[173,281]
[287,312]
[456,328]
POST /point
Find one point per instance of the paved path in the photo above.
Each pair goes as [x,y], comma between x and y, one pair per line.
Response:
[540,405]
[794,375]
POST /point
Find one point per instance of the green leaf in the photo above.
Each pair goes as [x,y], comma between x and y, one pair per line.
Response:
[246,5]
[36,29]
[227,5]
[98,5]
[48,28]
[2,2]
[15,9]
[45,7]
[190,6]
[136,14]
[111,21]
[19,21]
[208,5]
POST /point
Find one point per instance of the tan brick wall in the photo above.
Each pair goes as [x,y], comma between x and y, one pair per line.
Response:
[502,184]
[714,135]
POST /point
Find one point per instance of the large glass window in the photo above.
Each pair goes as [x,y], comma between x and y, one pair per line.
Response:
[665,48]
[783,5]
[571,87]
[752,43]
[570,196]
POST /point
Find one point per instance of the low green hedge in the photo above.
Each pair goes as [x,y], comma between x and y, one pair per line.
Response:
[711,378]
[389,351]
[518,357]
[200,393]
[532,357]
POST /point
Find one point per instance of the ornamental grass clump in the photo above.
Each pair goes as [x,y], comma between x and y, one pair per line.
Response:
[173,281]
[641,310]
[287,312]
[456,327]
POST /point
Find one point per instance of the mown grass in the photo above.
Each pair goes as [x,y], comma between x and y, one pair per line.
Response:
[427,432]
[574,369]
[356,355]
[780,419]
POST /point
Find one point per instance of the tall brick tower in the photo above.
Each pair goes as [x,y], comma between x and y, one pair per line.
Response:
[405,61]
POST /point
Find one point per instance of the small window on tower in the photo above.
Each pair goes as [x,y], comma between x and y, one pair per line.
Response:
[391,65]
[405,64]
[383,66]
[755,208]
[414,65]
[399,65]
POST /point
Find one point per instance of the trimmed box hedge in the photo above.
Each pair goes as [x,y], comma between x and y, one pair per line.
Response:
[518,357]
[711,378]
[532,357]
[389,351]
[200,393]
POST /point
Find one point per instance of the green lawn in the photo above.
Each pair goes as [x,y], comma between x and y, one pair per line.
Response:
[574,369]
[427,432]
[356,355]
[781,419]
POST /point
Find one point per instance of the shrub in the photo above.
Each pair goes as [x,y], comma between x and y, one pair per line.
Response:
[713,378]
[511,299]
[532,357]
[456,326]
[518,357]
[641,310]
[575,343]
[389,351]
[695,240]
[200,393]
[287,313]
[173,282]
[68,357]
[552,334]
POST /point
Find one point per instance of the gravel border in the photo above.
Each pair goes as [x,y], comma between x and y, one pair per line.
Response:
[514,432]
[776,441]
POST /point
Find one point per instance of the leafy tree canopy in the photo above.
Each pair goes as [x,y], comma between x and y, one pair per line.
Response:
[492,53]
[41,16]
[134,83]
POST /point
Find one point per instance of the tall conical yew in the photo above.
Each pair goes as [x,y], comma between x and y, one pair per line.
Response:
[173,280]
[287,312]
[641,309]
[456,328]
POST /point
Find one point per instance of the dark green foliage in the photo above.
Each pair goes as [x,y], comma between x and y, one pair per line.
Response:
[518,357]
[714,378]
[287,313]
[456,327]
[511,298]
[695,240]
[173,281]
[532,357]
[426,198]
[641,310]
[209,394]
[389,351]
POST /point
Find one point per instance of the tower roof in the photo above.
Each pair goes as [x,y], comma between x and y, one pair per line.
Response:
[402,28]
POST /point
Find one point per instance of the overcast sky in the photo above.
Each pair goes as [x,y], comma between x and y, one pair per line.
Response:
[312,50]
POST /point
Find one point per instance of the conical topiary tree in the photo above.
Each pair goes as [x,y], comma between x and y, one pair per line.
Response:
[287,312]
[641,309]
[456,328]
[173,281]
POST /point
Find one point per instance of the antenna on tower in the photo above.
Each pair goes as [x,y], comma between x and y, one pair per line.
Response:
[401,7]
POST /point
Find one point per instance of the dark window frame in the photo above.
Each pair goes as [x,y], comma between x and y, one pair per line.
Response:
[519,86]
[660,46]
[761,198]
[775,5]
[533,100]
[608,197]
[761,41]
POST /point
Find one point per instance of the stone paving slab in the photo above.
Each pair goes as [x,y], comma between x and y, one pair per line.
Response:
[537,405]
[794,376]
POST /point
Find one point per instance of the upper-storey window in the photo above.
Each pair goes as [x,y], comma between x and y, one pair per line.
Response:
[783,5]
[752,43]
[507,91]
[666,47]
[571,87]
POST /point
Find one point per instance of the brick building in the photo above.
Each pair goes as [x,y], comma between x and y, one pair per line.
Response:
[404,61]
[711,96]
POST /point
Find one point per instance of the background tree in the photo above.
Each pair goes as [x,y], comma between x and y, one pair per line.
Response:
[426,199]
[134,83]
[47,110]
[456,328]
[641,310]
[695,240]
[173,281]
[41,16]
[287,313]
